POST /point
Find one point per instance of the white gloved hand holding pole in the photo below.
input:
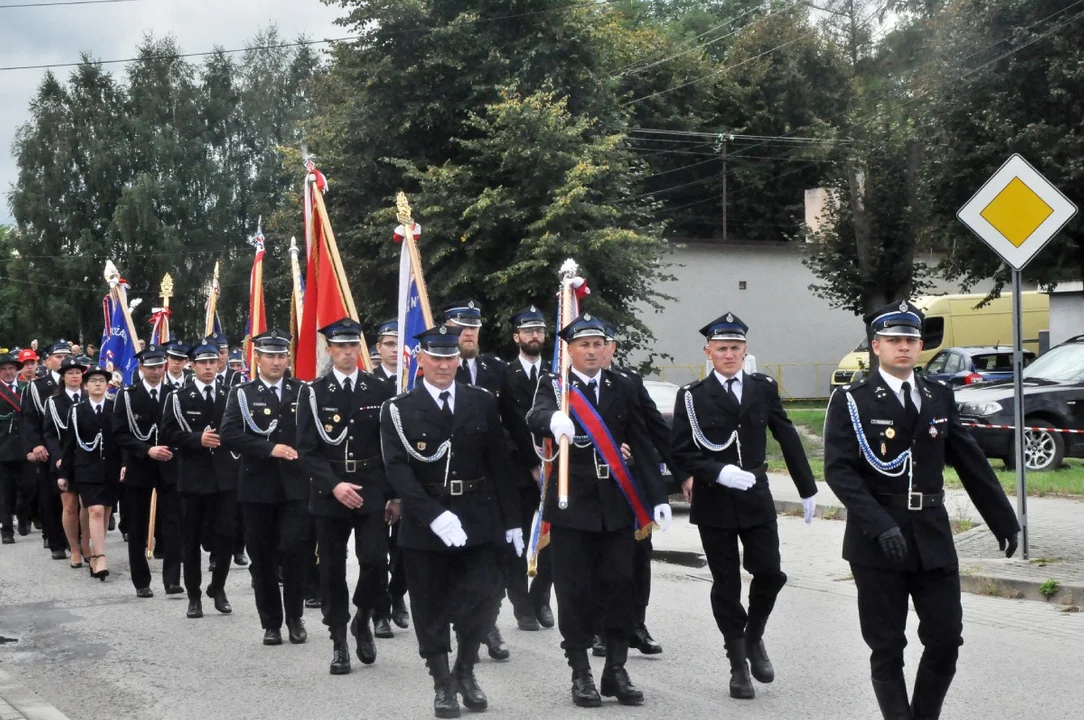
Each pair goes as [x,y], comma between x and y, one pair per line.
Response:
[561,424]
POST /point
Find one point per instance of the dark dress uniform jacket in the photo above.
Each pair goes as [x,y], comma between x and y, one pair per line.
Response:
[937,438]
[11,443]
[33,418]
[718,416]
[379,372]
[200,470]
[657,427]
[100,466]
[596,504]
[265,479]
[478,452]
[515,400]
[327,465]
[146,417]
[57,414]
[489,373]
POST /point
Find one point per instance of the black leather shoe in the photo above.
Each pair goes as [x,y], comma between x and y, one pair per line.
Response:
[445,702]
[473,696]
[240,559]
[498,649]
[312,603]
[272,637]
[382,628]
[340,653]
[363,636]
[545,616]
[9,539]
[59,555]
[144,592]
[528,622]
[221,603]
[598,649]
[584,692]
[174,589]
[892,699]
[759,663]
[641,640]
[296,628]
[24,528]
[195,608]
[399,614]
[616,683]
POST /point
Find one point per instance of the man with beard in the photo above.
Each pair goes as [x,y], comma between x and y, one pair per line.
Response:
[484,371]
[531,607]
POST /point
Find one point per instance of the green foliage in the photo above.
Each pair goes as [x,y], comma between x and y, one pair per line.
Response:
[1049,588]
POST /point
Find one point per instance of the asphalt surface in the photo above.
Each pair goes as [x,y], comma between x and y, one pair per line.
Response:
[97,652]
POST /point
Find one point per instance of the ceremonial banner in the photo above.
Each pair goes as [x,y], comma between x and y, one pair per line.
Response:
[411,315]
[297,301]
[211,323]
[257,316]
[119,342]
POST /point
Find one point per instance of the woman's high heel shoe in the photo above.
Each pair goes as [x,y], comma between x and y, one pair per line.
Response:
[100,574]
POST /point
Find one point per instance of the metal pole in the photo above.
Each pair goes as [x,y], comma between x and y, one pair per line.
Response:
[724,189]
[1018,411]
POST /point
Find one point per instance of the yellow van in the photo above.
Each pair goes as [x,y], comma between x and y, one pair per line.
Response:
[953,321]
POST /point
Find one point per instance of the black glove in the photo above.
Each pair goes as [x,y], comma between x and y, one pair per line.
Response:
[1008,545]
[893,545]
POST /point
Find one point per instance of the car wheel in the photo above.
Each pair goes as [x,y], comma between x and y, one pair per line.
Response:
[1043,449]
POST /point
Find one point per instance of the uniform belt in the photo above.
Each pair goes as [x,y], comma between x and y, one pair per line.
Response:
[913,501]
[761,469]
[353,466]
[455,488]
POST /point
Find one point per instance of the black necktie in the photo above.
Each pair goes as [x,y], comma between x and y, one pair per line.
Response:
[275,391]
[592,396]
[909,404]
[730,390]
[348,386]
[534,374]
[445,406]
[75,398]
[154,395]
[208,398]
[98,411]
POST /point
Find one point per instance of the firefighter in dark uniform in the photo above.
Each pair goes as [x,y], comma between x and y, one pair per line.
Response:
[446,458]
[720,438]
[338,431]
[149,466]
[74,518]
[887,440]
[531,606]
[205,474]
[177,372]
[13,466]
[260,424]
[230,378]
[592,540]
[385,357]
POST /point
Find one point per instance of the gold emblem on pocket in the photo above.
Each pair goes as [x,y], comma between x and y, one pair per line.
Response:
[890,433]
[336,418]
[328,428]
[267,411]
[421,446]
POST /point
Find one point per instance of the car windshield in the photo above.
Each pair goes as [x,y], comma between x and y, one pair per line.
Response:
[663,394]
[1064,363]
[863,346]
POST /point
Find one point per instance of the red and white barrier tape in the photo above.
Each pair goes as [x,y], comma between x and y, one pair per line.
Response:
[1033,429]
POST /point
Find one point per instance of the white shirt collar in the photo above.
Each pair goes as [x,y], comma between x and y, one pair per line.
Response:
[340,378]
[587,379]
[390,372]
[175,380]
[95,405]
[149,387]
[435,392]
[56,376]
[71,393]
[201,387]
[527,364]
[895,384]
[277,386]
[723,378]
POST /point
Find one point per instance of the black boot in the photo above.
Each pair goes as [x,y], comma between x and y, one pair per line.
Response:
[221,603]
[363,636]
[584,692]
[892,697]
[930,691]
[615,680]
[340,654]
[759,663]
[641,640]
[445,703]
[498,649]
[296,629]
[473,696]
[382,628]
[741,687]
[195,608]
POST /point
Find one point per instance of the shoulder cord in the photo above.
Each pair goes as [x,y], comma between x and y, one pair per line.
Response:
[180,415]
[60,427]
[134,426]
[443,451]
[698,434]
[36,397]
[319,425]
[902,463]
[246,415]
[95,445]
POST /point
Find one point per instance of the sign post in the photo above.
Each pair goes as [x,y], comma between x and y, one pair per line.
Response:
[1017,212]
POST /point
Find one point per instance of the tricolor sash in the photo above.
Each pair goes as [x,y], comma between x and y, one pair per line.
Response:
[8,395]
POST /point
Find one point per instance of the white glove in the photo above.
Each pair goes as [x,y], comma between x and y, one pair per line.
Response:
[663,516]
[561,424]
[809,506]
[734,477]
[448,528]
[515,536]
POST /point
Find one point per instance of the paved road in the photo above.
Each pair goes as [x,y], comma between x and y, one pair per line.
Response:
[98,653]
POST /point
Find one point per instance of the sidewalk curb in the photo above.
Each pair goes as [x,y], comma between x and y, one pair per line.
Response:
[991,585]
[825,512]
[25,701]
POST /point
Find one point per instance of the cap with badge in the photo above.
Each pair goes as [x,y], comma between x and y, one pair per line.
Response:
[343,330]
[897,319]
[60,347]
[205,350]
[272,342]
[440,341]
[236,356]
[177,349]
[217,339]
[726,327]
[388,327]
[530,317]
[152,356]
[467,313]
[98,370]
[71,363]
[584,326]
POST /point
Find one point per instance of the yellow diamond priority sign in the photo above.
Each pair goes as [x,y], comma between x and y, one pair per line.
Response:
[1017,212]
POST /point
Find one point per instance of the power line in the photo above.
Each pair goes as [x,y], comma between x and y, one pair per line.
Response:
[64,2]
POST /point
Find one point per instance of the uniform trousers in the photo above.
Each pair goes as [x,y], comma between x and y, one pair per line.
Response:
[528,599]
[395,578]
[275,537]
[137,504]
[641,577]
[312,561]
[371,549]
[220,510]
[50,508]
[454,588]
[760,557]
[882,613]
[17,492]
[592,573]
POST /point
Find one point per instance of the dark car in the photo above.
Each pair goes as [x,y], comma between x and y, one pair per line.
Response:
[973,364]
[1053,399]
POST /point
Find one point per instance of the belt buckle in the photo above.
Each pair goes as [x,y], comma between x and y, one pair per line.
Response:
[914,501]
[455,488]
[351,466]
[602,471]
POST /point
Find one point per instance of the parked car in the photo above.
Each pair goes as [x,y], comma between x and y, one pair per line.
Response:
[1053,398]
[973,364]
[664,395]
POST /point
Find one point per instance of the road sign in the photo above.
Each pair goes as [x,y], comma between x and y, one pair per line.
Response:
[1017,212]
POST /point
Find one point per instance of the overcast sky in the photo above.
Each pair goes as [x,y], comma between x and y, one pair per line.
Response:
[41,35]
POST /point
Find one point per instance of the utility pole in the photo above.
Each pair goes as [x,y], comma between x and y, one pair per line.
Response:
[720,147]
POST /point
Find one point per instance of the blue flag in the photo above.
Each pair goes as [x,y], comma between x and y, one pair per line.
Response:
[118,350]
[411,322]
